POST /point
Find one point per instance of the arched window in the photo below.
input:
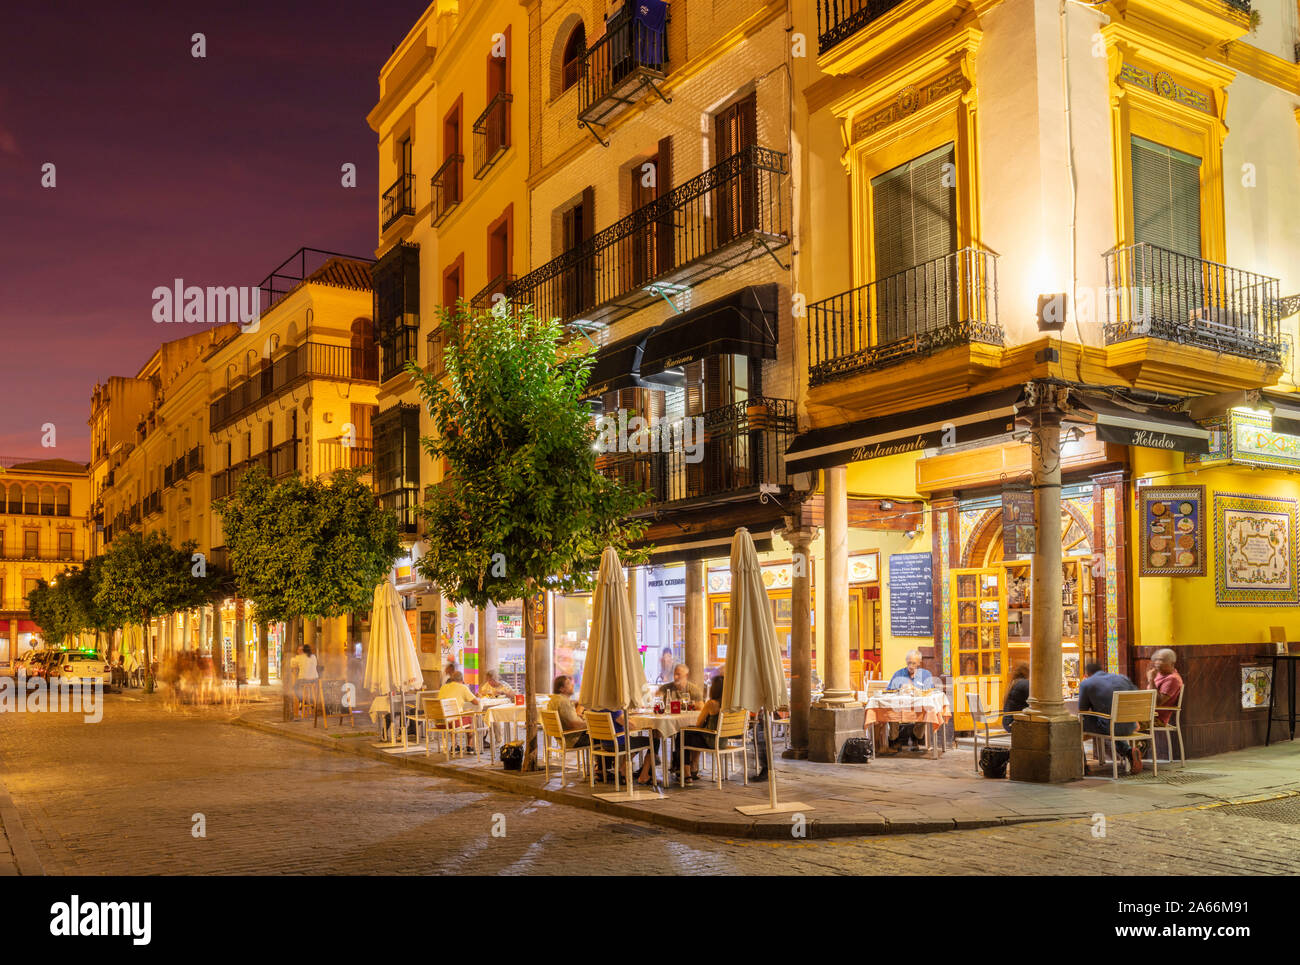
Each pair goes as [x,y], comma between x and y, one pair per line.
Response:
[47,500]
[365,352]
[31,504]
[571,60]
[63,502]
[15,498]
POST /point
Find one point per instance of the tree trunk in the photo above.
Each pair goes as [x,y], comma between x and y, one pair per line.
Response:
[530,679]
[264,652]
[148,654]
[288,645]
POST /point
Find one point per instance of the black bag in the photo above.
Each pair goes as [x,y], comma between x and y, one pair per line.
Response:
[512,755]
[994,761]
[857,750]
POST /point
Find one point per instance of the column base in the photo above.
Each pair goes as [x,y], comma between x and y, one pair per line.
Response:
[828,728]
[1046,751]
[795,754]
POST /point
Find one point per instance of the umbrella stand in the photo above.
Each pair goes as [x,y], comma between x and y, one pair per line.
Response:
[772,807]
[402,747]
[393,744]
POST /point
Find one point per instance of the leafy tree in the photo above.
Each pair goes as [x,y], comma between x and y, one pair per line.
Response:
[48,608]
[311,548]
[143,576]
[523,507]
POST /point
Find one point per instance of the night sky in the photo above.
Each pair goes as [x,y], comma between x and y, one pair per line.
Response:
[212,170]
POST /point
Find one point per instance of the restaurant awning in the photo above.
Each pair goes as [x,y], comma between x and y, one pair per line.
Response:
[617,366]
[1134,424]
[962,421]
[703,548]
[742,323]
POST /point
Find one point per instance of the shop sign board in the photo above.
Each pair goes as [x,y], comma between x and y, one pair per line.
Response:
[911,595]
[1017,524]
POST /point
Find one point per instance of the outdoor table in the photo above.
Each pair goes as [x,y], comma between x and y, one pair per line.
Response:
[500,710]
[381,705]
[893,707]
[667,726]
[1290,659]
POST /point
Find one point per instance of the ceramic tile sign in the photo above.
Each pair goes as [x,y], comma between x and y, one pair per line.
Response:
[1256,683]
[911,595]
[1173,531]
[1255,540]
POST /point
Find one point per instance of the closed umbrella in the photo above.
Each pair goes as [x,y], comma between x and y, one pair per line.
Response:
[613,675]
[754,678]
[393,663]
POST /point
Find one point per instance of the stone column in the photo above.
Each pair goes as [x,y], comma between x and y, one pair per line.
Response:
[488,655]
[334,647]
[696,631]
[1045,740]
[241,670]
[800,643]
[263,653]
[838,689]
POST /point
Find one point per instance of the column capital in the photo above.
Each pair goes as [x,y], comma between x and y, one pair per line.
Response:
[800,536]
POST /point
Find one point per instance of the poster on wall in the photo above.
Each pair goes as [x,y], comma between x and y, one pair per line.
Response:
[1255,561]
[1173,531]
[428,631]
[1017,524]
[1256,686]
[911,595]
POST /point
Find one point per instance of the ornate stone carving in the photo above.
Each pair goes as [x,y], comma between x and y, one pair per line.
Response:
[906,102]
[1164,85]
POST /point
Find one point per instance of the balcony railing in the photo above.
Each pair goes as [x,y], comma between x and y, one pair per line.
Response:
[153,503]
[445,188]
[726,452]
[311,360]
[711,223]
[491,134]
[1154,292]
[403,502]
[500,285]
[71,555]
[283,459]
[839,19]
[397,201]
[617,68]
[333,455]
[948,301]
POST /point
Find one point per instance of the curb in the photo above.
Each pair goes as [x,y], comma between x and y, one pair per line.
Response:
[777,828]
[12,824]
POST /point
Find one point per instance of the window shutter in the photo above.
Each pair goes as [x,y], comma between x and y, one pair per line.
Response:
[1166,198]
[664,228]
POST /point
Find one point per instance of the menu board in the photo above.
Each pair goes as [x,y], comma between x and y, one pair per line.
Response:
[911,595]
[1173,530]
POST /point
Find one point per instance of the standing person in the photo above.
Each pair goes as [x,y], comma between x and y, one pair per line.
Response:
[665,666]
[1095,692]
[1017,694]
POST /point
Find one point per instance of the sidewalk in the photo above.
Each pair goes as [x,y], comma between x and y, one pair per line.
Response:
[892,795]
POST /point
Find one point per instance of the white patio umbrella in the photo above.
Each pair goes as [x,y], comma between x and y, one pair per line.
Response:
[613,675]
[393,663]
[754,678]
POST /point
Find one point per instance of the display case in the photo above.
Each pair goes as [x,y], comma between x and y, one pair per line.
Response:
[1078,626]
[979,602]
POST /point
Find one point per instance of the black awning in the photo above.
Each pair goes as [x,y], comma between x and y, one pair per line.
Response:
[1133,424]
[705,547]
[1286,412]
[962,421]
[617,366]
[743,323]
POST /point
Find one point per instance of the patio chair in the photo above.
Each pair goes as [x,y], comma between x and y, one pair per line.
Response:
[983,718]
[600,725]
[1171,729]
[555,744]
[733,724]
[1126,707]
[443,717]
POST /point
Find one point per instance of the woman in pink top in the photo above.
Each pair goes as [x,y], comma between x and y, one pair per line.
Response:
[1163,678]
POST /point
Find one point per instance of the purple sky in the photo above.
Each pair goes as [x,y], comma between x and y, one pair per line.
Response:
[212,170]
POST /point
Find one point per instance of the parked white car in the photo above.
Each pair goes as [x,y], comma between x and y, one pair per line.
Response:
[79,666]
[20,664]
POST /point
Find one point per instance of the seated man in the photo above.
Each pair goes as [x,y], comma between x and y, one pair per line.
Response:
[455,687]
[681,688]
[1095,692]
[909,678]
[493,687]
[570,715]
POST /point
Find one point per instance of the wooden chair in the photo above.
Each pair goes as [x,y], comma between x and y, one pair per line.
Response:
[555,743]
[443,717]
[1171,729]
[983,718]
[1126,707]
[311,700]
[733,724]
[600,725]
[781,728]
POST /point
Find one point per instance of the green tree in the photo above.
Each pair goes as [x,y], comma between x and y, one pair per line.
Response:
[143,576]
[523,507]
[48,607]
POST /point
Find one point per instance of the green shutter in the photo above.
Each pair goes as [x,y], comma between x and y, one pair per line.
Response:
[1166,198]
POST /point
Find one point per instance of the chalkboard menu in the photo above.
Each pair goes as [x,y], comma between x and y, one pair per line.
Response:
[911,595]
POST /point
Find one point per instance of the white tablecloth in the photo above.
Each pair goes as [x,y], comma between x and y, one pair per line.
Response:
[935,703]
[666,725]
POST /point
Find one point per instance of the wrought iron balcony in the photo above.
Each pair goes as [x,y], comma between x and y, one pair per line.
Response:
[333,455]
[283,459]
[1157,293]
[311,360]
[1241,5]
[500,285]
[68,554]
[397,201]
[837,20]
[491,134]
[947,301]
[730,452]
[618,68]
[731,213]
[403,503]
[445,188]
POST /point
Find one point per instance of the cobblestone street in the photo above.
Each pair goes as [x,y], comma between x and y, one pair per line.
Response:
[124,796]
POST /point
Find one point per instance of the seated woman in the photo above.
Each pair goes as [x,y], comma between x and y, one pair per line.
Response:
[1017,694]
[710,718]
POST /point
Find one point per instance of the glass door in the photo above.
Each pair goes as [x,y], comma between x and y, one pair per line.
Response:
[979,636]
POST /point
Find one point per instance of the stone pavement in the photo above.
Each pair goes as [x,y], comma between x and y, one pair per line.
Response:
[891,795]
